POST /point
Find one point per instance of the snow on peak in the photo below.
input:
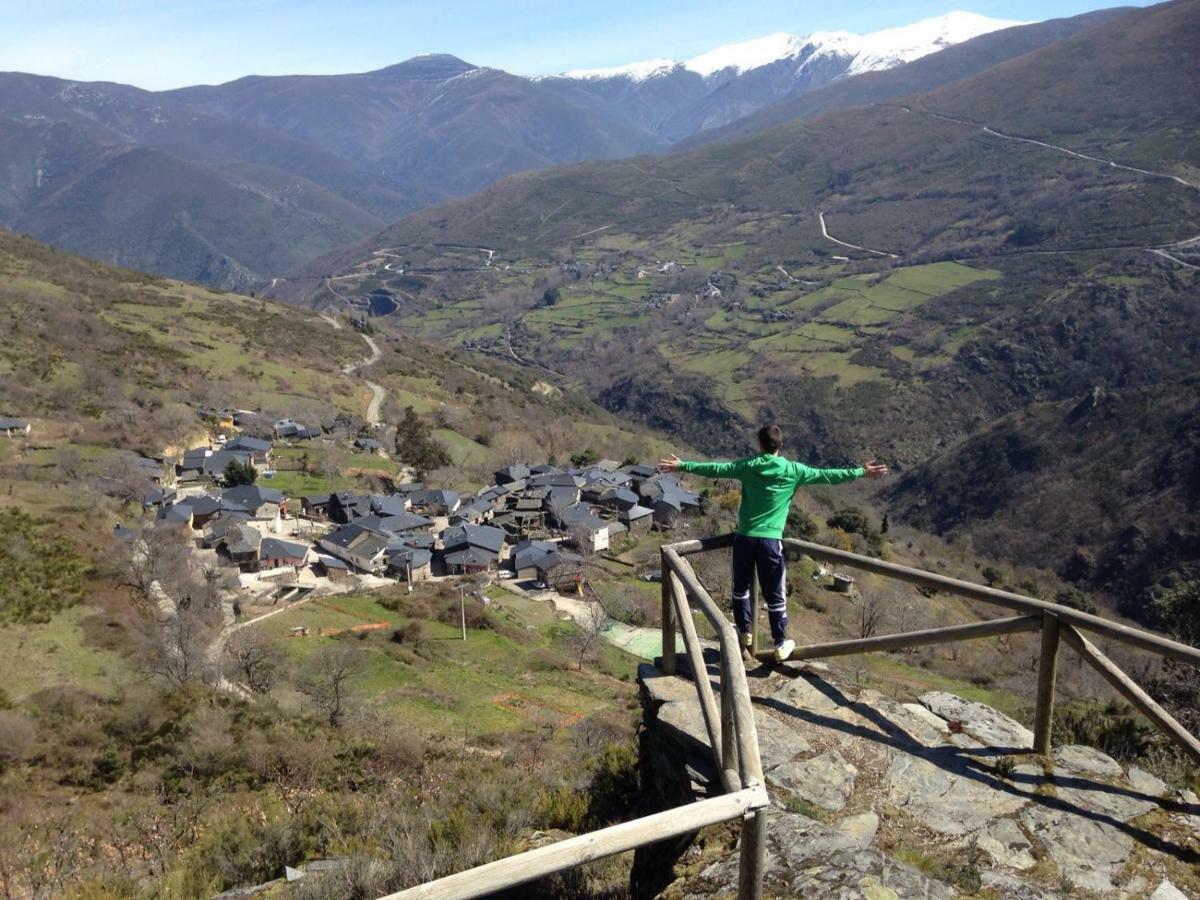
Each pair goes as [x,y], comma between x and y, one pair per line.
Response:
[867,52]
[894,46]
[638,71]
[746,55]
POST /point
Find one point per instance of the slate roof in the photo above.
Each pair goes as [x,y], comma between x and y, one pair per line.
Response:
[634,513]
[399,557]
[250,444]
[528,554]
[558,559]
[622,498]
[249,497]
[276,548]
[203,504]
[580,516]
[639,471]
[242,539]
[422,539]
[215,463]
[215,530]
[555,479]
[8,424]
[484,536]
[470,556]
[389,504]
[449,499]
[179,514]
[332,562]
[393,524]
[515,472]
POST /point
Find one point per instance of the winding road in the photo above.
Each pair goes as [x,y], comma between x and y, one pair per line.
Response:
[825,233]
[377,391]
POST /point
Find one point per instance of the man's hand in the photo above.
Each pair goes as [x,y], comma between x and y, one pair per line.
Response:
[875,469]
[669,463]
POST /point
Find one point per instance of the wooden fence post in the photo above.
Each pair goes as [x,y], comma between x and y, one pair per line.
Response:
[668,621]
[753,856]
[729,743]
[1047,676]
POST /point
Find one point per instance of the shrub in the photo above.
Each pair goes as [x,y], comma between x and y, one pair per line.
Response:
[412,633]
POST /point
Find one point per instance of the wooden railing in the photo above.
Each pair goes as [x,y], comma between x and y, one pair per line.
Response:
[733,740]
[1056,624]
[733,736]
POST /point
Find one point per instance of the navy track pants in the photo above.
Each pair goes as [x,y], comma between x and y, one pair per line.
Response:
[764,555]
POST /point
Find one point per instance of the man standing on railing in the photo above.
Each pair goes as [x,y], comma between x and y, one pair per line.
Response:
[768,483]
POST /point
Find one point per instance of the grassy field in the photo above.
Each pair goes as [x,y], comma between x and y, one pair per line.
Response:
[56,654]
[517,678]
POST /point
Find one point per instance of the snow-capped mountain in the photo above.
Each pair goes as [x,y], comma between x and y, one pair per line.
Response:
[865,52]
[676,99]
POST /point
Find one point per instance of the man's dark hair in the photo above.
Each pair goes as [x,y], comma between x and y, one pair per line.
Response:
[770,438]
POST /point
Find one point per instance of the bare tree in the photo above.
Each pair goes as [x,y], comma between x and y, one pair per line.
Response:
[126,482]
[179,652]
[586,641]
[159,554]
[328,679]
[252,658]
[869,613]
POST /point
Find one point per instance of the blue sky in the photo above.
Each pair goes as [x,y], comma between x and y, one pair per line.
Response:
[169,43]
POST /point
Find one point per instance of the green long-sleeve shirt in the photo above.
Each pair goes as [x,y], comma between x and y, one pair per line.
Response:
[768,482]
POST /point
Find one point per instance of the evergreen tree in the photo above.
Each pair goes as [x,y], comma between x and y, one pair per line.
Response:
[416,445]
[240,473]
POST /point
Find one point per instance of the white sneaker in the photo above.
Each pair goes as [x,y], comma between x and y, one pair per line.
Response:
[747,639]
[784,649]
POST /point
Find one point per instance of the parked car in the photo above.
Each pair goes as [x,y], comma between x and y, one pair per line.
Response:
[505,574]
[539,585]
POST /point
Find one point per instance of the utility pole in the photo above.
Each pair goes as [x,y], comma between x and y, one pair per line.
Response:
[462,609]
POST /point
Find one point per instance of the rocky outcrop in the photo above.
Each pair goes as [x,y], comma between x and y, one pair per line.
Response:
[877,798]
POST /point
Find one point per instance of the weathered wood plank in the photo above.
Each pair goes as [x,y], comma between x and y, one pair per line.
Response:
[535,864]
[708,704]
[1129,689]
[668,623]
[1047,678]
[974,630]
[1135,636]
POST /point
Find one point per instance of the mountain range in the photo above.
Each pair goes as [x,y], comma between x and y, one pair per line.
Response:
[984,278]
[236,184]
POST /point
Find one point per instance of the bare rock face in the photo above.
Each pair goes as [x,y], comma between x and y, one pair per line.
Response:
[863,784]
[825,780]
[989,727]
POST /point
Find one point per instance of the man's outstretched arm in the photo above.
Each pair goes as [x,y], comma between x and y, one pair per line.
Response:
[809,475]
[732,469]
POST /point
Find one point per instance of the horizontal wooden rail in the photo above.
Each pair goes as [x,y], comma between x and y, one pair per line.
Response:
[990,628]
[534,864]
[1067,616]
[1055,622]
[1127,688]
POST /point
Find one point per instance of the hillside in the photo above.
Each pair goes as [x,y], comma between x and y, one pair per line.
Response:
[105,739]
[236,184]
[889,280]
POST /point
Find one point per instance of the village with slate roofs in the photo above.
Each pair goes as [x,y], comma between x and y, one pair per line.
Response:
[536,522]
